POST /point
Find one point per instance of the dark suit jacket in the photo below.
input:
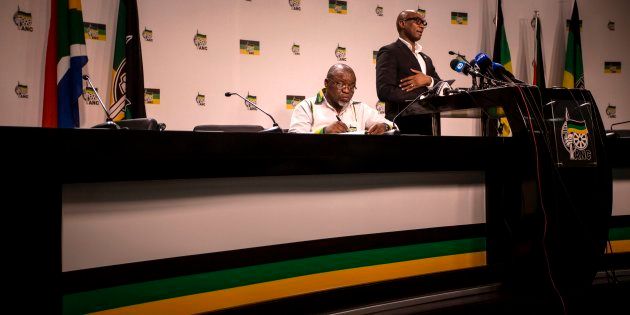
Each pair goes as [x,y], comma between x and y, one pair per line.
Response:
[393,63]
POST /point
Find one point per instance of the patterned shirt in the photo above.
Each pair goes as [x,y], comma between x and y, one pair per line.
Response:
[314,114]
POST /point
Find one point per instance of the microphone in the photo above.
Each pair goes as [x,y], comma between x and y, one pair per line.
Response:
[460,56]
[500,69]
[275,127]
[465,68]
[484,63]
[109,123]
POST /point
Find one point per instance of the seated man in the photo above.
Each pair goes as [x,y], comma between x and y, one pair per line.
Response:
[334,111]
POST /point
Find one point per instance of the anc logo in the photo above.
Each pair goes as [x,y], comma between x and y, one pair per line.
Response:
[23,20]
[249,47]
[94,31]
[574,136]
[295,5]
[611,111]
[460,18]
[612,67]
[380,107]
[89,95]
[147,35]
[378,10]
[201,41]
[423,12]
[152,96]
[340,53]
[119,90]
[21,90]
[337,7]
[251,99]
[201,99]
[295,49]
[294,100]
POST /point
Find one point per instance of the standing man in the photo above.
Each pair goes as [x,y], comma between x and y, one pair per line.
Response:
[334,111]
[403,71]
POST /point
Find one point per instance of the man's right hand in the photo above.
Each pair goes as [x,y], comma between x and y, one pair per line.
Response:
[336,127]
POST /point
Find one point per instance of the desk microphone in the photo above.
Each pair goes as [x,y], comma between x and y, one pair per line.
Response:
[462,57]
[275,127]
[109,123]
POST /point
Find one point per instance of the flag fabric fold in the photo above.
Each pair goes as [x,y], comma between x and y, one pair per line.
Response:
[65,58]
[573,66]
[539,65]
[501,53]
[127,94]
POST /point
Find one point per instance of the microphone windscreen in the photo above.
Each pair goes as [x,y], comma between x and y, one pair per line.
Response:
[458,66]
[483,61]
[454,64]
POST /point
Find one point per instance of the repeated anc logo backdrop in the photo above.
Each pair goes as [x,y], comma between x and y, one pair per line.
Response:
[275,52]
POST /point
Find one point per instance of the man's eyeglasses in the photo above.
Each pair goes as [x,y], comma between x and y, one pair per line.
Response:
[341,85]
[418,20]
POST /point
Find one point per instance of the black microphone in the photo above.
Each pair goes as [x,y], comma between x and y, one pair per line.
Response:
[500,69]
[275,127]
[460,56]
[109,123]
[484,63]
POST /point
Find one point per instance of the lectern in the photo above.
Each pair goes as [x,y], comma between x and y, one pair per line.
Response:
[548,201]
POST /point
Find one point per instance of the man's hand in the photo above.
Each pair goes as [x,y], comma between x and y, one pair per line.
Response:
[336,127]
[415,81]
[378,129]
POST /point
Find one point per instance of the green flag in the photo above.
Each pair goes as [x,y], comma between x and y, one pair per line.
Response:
[539,66]
[127,94]
[573,67]
[501,52]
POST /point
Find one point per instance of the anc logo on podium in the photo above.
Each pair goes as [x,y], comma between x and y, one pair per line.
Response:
[574,136]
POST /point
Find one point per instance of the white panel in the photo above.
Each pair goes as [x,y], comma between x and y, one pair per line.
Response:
[621,192]
[115,223]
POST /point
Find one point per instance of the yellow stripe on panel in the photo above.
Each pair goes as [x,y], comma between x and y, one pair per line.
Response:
[622,246]
[273,290]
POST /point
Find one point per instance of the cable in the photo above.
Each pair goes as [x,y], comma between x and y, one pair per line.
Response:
[542,205]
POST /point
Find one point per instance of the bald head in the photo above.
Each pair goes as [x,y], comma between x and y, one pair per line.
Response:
[410,25]
[401,17]
[339,68]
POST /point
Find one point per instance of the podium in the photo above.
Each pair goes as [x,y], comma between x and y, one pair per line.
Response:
[549,199]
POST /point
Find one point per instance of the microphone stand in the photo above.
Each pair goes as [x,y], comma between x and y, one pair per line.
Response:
[463,58]
[109,123]
[275,127]
[413,101]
